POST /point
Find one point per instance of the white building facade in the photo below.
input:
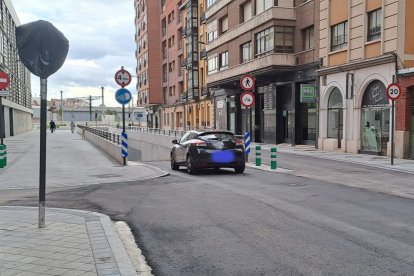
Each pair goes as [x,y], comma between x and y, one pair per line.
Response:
[17,108]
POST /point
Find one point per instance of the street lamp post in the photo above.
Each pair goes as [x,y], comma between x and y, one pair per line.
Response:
[61,107]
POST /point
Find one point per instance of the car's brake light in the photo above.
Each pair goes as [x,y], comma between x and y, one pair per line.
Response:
[200,143]
[239,142]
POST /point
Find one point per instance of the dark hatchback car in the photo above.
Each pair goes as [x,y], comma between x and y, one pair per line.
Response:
[208,149]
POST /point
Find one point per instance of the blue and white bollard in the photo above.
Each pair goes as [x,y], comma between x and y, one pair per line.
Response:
[247,145]
[124,146]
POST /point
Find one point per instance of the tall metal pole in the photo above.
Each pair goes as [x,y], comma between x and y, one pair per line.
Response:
[61,107]
[103,103]
[123,130]
[90,108]
[392,132]
[2,129]
[42,172]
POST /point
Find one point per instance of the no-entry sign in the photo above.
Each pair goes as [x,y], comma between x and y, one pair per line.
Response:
[4,80]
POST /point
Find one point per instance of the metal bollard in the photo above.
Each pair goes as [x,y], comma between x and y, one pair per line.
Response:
[258,156]
[5,156]
[273,156]
[1,156]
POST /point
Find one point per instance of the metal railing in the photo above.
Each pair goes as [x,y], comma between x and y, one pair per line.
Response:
[167,132]
[107,135]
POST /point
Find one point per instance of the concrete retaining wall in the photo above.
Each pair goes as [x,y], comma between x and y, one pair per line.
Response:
[113,150]
[152,147]
[141,146]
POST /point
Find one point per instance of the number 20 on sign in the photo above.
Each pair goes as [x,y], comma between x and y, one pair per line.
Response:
[393,91]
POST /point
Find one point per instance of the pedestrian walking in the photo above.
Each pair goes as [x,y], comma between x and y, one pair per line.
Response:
[52,126]
[72,126]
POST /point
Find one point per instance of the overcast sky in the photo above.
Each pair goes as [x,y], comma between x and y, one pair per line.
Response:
[101,40]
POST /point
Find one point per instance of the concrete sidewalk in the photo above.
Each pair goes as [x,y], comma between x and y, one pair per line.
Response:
[382,162]
[73,242]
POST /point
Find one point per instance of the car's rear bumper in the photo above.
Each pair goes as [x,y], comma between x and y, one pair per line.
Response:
[205,158]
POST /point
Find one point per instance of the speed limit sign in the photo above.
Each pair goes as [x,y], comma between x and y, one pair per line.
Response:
[393,91]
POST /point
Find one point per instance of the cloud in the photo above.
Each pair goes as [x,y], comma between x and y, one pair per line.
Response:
[101,40]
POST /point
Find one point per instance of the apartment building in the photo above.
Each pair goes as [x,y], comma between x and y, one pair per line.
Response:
[363,43]
[171,75]
[275,42]
[17,112]
[172,48]
[196,97]
[149,63]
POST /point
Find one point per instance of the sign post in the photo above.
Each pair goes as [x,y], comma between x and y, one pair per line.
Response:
[247,83]
[4,82]
[393,93]
[123,96]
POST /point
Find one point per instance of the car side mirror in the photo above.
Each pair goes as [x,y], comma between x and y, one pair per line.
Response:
[175,141]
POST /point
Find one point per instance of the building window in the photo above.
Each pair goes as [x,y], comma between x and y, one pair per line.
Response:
[247,12]
[212,65]
[284,39]
[339,36]
[224,24]
[307,35]
[246,52]
[264,41]
[374,25]
[262,5]
[224,60]
[210,3]
[211,31]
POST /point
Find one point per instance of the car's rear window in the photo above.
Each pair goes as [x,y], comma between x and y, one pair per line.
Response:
[216,136]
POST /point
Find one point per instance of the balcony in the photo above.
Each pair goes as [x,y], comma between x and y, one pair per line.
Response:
[184,64]
[184,96]
[203,18]
[271,14]
[284,61]
[203,53]
[193,94]
[192,31]
[183,31]
[204,92]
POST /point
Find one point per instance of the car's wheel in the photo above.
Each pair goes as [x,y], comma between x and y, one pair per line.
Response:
[239,169]
[190,167]
[174,165]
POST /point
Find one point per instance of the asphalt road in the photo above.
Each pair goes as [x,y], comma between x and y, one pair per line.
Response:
[258,223]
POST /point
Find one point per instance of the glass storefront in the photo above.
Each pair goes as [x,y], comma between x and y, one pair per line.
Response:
[375,120]
[375,130]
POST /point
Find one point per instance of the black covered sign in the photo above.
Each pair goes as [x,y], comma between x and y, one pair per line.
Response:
[42,48]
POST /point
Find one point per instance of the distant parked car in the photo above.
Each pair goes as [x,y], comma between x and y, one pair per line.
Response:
[208,149]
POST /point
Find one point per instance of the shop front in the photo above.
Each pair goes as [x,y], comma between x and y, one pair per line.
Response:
[375,120]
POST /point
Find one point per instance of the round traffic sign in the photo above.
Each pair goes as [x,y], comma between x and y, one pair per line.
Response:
[393,91]
[4,80]
[123,96]
[247,82]
[247,99]
[122,77]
